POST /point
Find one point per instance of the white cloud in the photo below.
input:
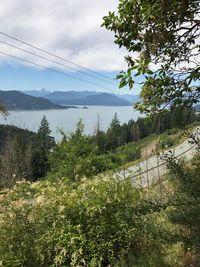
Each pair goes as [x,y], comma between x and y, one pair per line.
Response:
[69,28]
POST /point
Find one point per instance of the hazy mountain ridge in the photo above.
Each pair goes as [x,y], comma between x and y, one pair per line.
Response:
[88,98]
[67,95]
[37,93]
[103,99]
[15,100]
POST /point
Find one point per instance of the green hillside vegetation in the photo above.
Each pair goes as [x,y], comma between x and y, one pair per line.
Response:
[72,217]
[28,155]
[111,150]
[23,154]
[102,222]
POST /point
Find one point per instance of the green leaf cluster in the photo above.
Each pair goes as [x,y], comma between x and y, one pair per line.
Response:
[162,39]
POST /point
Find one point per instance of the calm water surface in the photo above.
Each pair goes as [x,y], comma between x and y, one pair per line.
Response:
[67,118]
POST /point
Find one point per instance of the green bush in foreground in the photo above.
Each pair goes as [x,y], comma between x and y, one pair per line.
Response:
[185,178]
[93,223]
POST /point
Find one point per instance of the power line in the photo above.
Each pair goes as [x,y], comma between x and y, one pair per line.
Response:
[51,54]
[53,70]
[56,62]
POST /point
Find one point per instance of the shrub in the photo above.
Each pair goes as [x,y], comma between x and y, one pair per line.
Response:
[167,141]
[186,184]
[129,152]
[93,223]
[172,131]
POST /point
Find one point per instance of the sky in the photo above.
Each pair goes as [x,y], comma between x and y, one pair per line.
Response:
[68,28]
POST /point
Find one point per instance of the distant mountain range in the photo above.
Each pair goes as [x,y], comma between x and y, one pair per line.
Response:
[103,99]
[15,100]
[86,98]
[37,93]
[43,99]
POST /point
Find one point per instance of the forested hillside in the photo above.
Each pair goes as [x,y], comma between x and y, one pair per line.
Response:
[63,215]
[68,203]
[23,154]
[14,100]
[29,155]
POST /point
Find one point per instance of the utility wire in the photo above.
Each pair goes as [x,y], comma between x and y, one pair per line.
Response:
[53,70]
[56,62]
[51,54]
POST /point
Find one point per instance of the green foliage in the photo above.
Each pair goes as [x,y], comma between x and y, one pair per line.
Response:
[186,183]
[44,130]
[72,157]
[167,141]
[128,152]
[67,220]
[23,154]
[16,154]
[163,36]
[11,132]
[172,131]
[114,133]
[78,155]
[99,222]
[118,135]
[45,145]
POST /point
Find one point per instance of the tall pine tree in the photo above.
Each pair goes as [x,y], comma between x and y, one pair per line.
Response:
[46,143]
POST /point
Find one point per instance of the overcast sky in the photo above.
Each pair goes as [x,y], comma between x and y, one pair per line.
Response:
[68,28]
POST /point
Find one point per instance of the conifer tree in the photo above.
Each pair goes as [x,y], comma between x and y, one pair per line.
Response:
[45,144]
[114,132]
